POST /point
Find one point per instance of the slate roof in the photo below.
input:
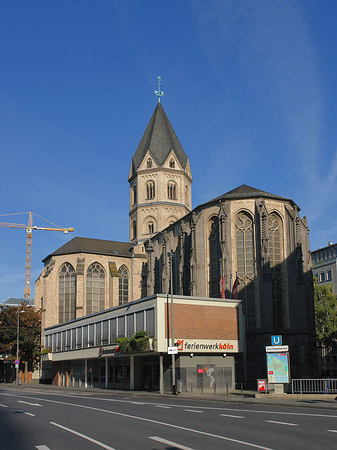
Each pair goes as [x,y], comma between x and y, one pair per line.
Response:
[94,246]
[245,191]
[160,138]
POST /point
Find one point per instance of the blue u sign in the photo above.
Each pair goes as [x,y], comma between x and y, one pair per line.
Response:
[276,340]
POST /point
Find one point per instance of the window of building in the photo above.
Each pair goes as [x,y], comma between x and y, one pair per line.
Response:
[134,229]
[134,189]
[329,275]
[123,285]
[149,163]
[245,265]
[214,259]
[151,227]
[150,190]
[67,293]
[322,277]
[95,288]
[275,250]
[172,190]
[172,163]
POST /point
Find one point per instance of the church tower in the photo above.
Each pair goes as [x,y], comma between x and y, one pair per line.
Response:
[160,179]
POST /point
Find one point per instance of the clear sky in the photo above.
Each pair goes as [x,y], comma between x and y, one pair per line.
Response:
[250,89]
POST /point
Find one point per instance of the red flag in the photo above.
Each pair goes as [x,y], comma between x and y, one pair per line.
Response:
[223,288]
[235,288]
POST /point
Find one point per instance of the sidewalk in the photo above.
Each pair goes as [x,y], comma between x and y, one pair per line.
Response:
[326,401]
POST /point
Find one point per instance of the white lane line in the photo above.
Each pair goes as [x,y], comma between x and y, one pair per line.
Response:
[193,410]
[282,423]
[161,406]
[42,447]
[332,431]
[25,412]
[157,422]
[27,403]
[171,443]
[137,403]
[4,406]
[82,436]
[230,415]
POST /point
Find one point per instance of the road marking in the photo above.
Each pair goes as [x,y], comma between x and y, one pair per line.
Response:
[27,403]
[137,403]
[283,423]
[193,410]
[171,443]
[161,406]
[42,447]
[4,406]
[25,412]
[82,436]
[234,417]
[332,431]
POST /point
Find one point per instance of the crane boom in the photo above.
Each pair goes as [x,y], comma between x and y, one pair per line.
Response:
[29,228]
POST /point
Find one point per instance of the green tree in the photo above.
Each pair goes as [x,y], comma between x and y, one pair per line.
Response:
[325,314]
[29,335]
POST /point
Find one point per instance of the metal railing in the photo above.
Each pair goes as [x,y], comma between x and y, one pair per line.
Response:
[314,386]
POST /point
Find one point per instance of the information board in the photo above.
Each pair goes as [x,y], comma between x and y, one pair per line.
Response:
[278,368]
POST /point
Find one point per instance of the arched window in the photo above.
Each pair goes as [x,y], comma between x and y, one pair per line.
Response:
[95,288]
[275,252]
[134,189]
[245,265]
[123,285]
[150,228]
[214,259]
[171,190]
[172,163]
[67,293]
[150,190]
[149,163]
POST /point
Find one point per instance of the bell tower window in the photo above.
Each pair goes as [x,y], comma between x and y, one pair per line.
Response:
[171,191]
[172,164]
[149,163]
[150,190]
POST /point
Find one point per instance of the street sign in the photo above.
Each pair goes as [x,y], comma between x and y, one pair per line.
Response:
[277,348]
[276,340]
[172,350]
[17,362]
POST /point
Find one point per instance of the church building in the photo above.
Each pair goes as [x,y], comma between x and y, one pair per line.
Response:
[247,250]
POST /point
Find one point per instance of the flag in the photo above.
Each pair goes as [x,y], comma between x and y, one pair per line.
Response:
[235,288]
[223,288]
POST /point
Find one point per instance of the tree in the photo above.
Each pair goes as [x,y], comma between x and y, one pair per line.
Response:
[29,335]
[325,314]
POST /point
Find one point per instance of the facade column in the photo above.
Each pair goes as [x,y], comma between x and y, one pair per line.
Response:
[106,373]
[132,373]
[85,373]
[161,374]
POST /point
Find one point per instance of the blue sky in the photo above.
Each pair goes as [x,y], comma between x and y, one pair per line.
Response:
[250,89]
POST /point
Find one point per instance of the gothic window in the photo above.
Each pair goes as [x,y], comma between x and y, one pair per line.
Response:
[150,190]
[275,249]
[67,293]
[123,285]
[150,227]
[149,163]
[172,163]
[245,265]
[214,259]
[95,288]
[172,190]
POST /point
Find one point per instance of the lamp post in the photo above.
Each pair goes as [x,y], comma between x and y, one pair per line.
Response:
[17,346]
[149,250]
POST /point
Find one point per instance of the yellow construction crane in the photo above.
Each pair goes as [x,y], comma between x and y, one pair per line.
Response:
[29,227]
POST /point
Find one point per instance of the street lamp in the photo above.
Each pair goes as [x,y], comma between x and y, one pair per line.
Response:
[17,346]
[149,249]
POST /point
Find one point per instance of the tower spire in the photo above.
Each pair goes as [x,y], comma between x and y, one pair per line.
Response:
[159,93]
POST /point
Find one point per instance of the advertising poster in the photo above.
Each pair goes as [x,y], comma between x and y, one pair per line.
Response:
[278,368]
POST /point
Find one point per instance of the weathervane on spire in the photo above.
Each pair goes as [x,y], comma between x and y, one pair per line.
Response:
[159,93]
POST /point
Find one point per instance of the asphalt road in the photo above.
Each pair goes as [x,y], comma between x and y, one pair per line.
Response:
[49,419]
